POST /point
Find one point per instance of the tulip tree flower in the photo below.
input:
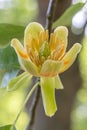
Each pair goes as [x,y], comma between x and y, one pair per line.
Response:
[46,58]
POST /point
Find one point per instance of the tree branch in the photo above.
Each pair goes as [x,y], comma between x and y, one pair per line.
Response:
[33,108]
[34,104]
[50,14]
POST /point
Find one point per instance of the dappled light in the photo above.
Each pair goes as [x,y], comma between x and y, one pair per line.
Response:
[18,11]
[10,105]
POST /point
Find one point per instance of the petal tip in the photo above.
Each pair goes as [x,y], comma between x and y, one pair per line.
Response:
[14,42]
[33,25]
[62,29]
[51,114]
[78,47]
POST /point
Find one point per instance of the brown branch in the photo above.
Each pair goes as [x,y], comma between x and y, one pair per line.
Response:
[34,104]
[33,108]
[50,14]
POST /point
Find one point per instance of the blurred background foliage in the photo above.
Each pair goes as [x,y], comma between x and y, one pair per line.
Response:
[79,113]
[17,12]
[21,12]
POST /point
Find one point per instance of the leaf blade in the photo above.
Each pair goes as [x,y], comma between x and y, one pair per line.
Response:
[8,127]
[21,80]
[8,59]
[9,31]
[66,18]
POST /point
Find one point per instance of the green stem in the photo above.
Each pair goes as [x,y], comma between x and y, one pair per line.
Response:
[27,98]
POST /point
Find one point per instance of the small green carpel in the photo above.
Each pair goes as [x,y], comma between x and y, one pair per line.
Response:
[44,51]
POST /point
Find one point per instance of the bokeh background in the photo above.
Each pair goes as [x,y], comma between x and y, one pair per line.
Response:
[72,101]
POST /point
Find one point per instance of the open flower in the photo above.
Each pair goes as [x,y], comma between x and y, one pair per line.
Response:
[46,58]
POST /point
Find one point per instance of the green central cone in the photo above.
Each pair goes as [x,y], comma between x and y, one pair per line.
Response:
[44,51]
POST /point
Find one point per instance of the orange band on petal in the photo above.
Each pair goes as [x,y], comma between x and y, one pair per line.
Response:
[25,56]
[49,74]
[19,48]
[66,62]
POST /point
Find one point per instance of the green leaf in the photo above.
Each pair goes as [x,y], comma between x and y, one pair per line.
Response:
[2,72]
[9,31]
[9,65]
[48,95]
[8,59]
[6,76]
[19,81]
[66,18]
[7,127]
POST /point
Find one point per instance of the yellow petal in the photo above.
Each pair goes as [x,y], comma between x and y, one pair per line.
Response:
[61,33]
[19,48]
[50,68]
[29,66]
[70,57]
[23,58]
[60,39]
[31,37]
[48,95]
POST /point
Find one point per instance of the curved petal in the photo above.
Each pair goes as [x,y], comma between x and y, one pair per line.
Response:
[31,36]
[61,33]
[50,68]
[15,43]
[29,66]
[48,95]
[70,57]
[24,60]
[60,40]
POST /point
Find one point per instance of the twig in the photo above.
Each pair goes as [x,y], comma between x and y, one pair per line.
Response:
[50,14]
[33,108]
[26,99]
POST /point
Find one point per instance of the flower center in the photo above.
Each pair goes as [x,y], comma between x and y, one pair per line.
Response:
[44,51]
[54,49]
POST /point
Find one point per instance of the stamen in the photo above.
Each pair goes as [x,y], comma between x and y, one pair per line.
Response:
[51,41]
[41,38]
[30,53]
[61,53]
[36,58]
[35,46]
[58,53]
[46,35]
